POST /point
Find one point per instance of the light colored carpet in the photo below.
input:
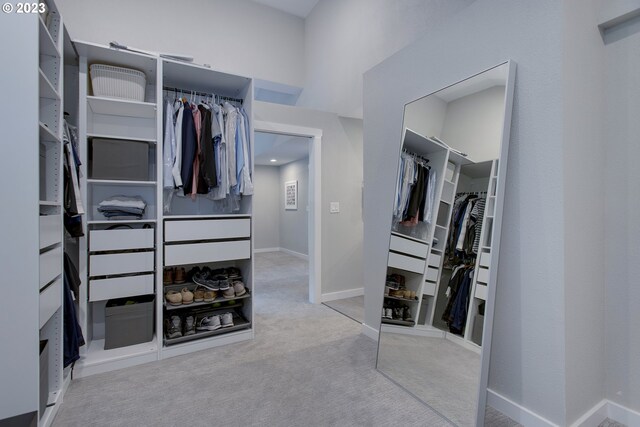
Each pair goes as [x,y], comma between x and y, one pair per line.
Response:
[308,365]
[350,307]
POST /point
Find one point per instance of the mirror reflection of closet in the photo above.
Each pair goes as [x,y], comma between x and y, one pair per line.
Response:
[443,249]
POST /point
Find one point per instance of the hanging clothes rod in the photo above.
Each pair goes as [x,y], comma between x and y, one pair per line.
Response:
[470,193]
[195,92]
[417,156]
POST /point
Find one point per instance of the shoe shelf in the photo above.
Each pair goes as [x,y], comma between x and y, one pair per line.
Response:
[219,300]
[398,322]
[239,323]
[401,298]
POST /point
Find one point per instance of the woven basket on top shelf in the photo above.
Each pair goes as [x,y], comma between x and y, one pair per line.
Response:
[118,82]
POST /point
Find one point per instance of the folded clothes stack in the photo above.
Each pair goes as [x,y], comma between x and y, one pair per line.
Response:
[122,207]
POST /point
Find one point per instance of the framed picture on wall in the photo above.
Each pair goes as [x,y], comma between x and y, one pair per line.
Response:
[291,195]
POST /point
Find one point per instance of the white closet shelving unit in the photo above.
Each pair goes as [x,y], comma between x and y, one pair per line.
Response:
[202,232]
[420,257]
[128,262]
[118,258]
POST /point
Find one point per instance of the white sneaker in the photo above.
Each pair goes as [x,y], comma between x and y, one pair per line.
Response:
[209,323]
[227,320]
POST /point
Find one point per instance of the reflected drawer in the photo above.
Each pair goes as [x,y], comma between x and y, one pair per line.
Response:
[50,301]
[50,265]
[481,292]
[195,253]
[132,262]
[485,259]
[120,239]
[50,230]
[483,275]
[210,229]
[406,263]
[120,287]
[429,289]
[432,274]
[409,247]
[434,260]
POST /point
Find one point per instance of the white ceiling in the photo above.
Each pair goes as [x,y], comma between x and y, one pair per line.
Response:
[300,8]
[285,149]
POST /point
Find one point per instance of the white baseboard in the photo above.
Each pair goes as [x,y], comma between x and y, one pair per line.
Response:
[263,250]
[623,415]
[594,416]
[516,412]
[295,254]
[370,332]
[349,293]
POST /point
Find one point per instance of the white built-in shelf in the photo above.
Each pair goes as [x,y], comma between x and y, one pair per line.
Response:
[489,217]
[51,409]
[128,138]
[436,250]
[222,301]
[96,354]
[121,107]
[485,247]
[449,182]
[448,202]
[441,226]
[47,90]
[207,216]
[48,203]
[121,221]
[401,299]
[47,44]
[120,182]
[404,236]
[238,325]
[47,135]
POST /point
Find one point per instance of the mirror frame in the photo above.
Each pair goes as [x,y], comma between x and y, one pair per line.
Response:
[485,354]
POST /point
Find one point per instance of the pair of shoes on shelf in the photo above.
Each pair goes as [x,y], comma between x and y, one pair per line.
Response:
[215,322]
[387,313]
[174,275]
[203,294]
[185,296]
[174,326]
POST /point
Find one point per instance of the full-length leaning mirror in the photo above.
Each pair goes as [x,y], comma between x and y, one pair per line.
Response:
[440,284]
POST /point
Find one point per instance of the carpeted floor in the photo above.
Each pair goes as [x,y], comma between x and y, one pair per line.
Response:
[351,307]
[308,365]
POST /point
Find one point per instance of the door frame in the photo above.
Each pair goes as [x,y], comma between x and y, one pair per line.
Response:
[315,197]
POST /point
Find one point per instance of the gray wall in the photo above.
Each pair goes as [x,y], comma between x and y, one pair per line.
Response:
[341,182]
[622,229]
[266,207]
[294,231]
[528,353]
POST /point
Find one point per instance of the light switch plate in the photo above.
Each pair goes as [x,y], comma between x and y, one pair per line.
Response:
[335,207]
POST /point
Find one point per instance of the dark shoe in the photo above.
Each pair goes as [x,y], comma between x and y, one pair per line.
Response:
[189,325]
[173,327]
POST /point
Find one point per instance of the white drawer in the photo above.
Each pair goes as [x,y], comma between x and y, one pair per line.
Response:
[50,230]
[196,253]
[50,301]
[485,259]
[483,275]
[121,239]
[120,287]
[481,291]
[406,263]
[132,262]
[434,260]
[429,289]
[50,265]
[409,247]
[210,229]
[432,274]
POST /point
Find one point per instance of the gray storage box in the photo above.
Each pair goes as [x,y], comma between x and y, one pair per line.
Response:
[119,159]
[44,375]
[478,325]
[128,323]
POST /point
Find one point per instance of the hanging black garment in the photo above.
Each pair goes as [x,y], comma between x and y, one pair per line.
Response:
[417,195]
[189,149]
[458,316]
[454,284]
[73,338]
[207,158]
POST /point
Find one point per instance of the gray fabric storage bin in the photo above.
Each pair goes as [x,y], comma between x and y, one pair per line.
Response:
[119,159]
[128,324]
[478,325]
[44,375]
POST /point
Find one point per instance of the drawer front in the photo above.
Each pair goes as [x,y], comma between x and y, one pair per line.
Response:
[103,265]
[483,275]
[485,259]
[50,265]
[196,253]
[432,274]
[434,260]
[114,240]
[50,230]
[429,289]
[50,301]
[210,229]
[481,292]
[406,263]
[120,287]
[409,247]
